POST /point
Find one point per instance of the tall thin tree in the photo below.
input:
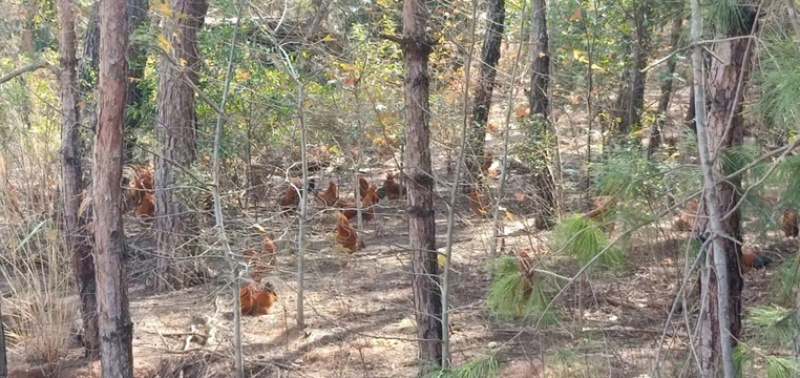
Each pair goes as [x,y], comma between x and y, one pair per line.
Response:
[490,55]
[175,124]
[421,224]
[72,179]
[540,111]
[666,83]
[630,102]
[3,358]
[723,130]
[116,328]
[137,59]
[87,68]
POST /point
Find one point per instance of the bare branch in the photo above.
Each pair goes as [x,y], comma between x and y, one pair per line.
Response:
[22,70]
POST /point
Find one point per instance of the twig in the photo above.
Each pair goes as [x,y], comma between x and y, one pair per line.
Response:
[24,69]
[391,38]
[220,222]
[163,340]
[448,253]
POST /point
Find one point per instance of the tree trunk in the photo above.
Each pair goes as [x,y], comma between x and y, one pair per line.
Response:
[72,179]
[87,67]
[175,123]
[540,111]
[666,84]
[630,103]
[3,358]
[116,328]
[490,55]
[727,79]
[421,225]
[137,59]
[29,12]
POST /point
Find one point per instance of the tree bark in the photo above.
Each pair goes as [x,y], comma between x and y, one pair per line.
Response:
[72,180]
[175,125]
[727,79]
[421,225]
[116,328]
[666,84]
[3,358]
[490,55]
[540,111]
[137,60]
[630,103]
[87,67]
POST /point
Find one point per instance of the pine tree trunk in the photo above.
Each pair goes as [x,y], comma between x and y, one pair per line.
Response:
[630,103]
[116,328]
[490,55]
[666,85]
[725,130]
[175,124]
[540,112]
[73,225]
[87,68]
[3,358]
[421,225]
[137,59]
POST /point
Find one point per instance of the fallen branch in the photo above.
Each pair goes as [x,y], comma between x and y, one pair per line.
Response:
[25,69]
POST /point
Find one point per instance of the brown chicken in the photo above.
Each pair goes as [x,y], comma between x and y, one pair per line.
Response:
[789,224]
[524,264]
[478,202]
[487,161]
[751,260]
[363,187]
[140,184]
[330,196]
[256,302]
[263,261]
[391,187]
[685,221]
[147,208]
[371,198]
[346,235]
[601,212]
[290,199]
[144,179]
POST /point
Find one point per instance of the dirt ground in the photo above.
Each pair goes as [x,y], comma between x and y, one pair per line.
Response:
[359,308]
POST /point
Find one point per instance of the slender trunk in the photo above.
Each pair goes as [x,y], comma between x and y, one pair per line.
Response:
[87,68]
[175,123]
[490,55]
[3,358]
[421,225]
[630,103]
[220,221]
[689,118]
[72,179]
[462,152]
[29,10]
[666,84]
[116,328]
[540,112]
[301,244]
[137,59]
[724,130]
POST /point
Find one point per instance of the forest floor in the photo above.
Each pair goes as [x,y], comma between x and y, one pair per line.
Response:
[359,308]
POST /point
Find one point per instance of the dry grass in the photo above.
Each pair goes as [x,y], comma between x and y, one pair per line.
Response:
[40,314]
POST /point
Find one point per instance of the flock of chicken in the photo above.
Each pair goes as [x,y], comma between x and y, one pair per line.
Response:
[256,299]
[685,222]
[368,198]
